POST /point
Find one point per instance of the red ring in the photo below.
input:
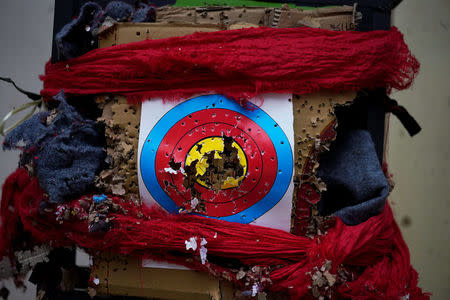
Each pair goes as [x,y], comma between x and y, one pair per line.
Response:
[255,143]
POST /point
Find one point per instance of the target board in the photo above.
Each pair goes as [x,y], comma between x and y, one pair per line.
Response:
[213,157]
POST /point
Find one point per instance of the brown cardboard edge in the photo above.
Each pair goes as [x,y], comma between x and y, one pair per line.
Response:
[120,275]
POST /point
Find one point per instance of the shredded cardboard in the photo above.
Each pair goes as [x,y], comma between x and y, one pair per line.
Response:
[334,18]
[121,122]
[29,258]
[314,126]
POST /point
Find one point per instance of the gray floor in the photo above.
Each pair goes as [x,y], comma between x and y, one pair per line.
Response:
[420,165]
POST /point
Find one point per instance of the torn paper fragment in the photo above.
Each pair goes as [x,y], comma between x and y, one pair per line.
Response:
[191,244]
[255,290]
[330,278]
[170,171]
[194,203]
[203,251]
[240,275]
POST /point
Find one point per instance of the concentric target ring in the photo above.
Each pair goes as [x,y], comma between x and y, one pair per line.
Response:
[265,145]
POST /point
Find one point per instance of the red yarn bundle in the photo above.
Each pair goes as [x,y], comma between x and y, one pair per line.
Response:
[240,64]
[12,190]
[367,261]
[375,248]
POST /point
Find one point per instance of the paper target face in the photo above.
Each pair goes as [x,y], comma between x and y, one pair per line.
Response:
[211,156]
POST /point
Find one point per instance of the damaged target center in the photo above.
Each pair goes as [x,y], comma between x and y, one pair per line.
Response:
[216,163]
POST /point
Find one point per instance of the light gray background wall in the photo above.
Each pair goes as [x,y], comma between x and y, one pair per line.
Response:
[421,165]
[26,28]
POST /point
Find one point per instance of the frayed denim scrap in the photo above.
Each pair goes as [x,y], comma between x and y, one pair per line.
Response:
[356,185]
[123,12]
[156,3]
[144,13]
[67,153]
[118,10]
[75,38]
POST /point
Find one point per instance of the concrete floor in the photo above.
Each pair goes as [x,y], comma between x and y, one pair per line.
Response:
[420,165]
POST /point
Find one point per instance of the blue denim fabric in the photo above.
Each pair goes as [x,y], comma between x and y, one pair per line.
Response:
[75,38]
[356,185]
[66,154]
[118,10]
[144,13]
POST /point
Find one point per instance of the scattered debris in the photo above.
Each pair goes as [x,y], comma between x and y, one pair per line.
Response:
[98,216]
[99,199]
[255,290]
[29,258]
[240,275]
[6,270]
[170,170]
[122,122]
[322,281]
[194,203]
[96,281]
[91,292]
[203,250]
[191,244]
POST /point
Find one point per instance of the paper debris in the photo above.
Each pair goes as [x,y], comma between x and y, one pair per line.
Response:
[191,244]
[194,203]
[330,278]
[121,122]
[255,290]
[240,275]
[203,250]
[170,170]
[322,280]
[91,292]
[28,259]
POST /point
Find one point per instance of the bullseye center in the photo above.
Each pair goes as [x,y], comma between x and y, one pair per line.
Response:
[220,163]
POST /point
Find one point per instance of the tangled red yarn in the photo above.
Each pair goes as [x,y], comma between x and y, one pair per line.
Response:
[240,64]
[376,246]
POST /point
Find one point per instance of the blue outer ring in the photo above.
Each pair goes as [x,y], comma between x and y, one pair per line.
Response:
[275,133]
